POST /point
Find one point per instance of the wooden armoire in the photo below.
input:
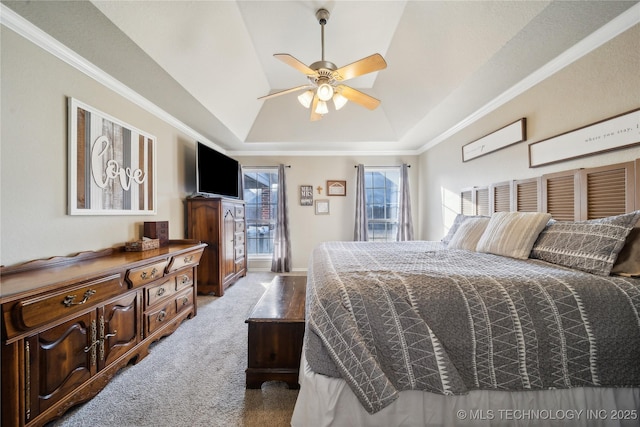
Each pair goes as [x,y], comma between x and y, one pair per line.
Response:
[219,222]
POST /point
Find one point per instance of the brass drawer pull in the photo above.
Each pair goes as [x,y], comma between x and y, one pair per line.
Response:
[185,300]
[68,300]
[161,292]
[143,275]
[185,279]
[111,335]
[188,259]
[161,316]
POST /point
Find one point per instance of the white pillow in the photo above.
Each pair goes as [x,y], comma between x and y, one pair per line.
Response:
[512,234]
[468,234]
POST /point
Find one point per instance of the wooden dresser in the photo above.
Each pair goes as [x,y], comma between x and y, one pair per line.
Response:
[70,323]
[220,223]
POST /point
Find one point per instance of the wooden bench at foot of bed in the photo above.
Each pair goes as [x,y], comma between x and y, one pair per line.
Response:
[276,331]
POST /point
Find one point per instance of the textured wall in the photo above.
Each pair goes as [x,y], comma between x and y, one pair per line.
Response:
[602,84]
[34,220]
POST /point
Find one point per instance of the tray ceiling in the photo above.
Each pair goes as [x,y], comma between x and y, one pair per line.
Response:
[207,62]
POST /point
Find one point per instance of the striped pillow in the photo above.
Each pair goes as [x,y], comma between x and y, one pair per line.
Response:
[592,246]
[457,222]
[468,234]
[512,234]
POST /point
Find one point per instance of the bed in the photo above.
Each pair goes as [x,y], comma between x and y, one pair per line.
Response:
[515,319]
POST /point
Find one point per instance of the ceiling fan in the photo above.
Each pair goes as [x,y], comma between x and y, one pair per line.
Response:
[325,79]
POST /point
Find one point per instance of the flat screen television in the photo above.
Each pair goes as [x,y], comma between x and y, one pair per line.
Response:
[216,173]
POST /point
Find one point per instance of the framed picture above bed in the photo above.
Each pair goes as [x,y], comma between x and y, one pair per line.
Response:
[610,134]
[112,165]
[508,135]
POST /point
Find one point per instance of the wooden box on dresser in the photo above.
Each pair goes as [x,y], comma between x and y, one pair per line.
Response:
[70,323]
[220,223]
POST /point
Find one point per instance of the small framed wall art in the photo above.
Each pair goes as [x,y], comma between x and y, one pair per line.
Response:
[112,165]
[306,195]
[336,188]
[322,207]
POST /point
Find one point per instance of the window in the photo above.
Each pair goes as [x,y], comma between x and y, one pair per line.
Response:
[261,201]
[382,187]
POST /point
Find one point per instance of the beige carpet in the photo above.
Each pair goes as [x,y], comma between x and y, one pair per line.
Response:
[194,377]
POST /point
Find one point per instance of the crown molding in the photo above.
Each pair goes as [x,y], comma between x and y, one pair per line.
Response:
[319,153]
[29,31]
[610,30]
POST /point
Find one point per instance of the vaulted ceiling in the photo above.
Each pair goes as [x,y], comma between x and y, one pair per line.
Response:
[206,62]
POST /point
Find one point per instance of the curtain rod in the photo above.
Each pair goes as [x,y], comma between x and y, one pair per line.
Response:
[266,167]
[382,166]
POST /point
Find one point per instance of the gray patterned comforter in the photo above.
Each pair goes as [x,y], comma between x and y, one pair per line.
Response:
[389,317]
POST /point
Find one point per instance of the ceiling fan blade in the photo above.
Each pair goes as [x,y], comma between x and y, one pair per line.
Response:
[314,116]
[293,62]
[358,97]
[284,92]
[366,65]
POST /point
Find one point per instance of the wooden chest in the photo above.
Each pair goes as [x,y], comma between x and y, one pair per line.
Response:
[276,331]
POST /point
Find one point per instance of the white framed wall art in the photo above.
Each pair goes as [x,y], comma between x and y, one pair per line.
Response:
[112,165]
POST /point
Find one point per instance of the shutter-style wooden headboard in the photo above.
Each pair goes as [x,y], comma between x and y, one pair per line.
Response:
[559,196]
[482,201]
[571,195]
[501,198]
[607,191]
[527,195]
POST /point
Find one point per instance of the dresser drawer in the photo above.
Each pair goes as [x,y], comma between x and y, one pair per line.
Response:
[239,226]
[184,260]
[159,292]
[239,252]
[40,310]
[160,316]
[184,279]
[184,300]
[143,275]
[238,211]
[239,239]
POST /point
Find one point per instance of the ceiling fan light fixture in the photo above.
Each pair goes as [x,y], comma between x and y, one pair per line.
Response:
[325,92]
[305,98]
[339,101]
[326,80]
[322,108]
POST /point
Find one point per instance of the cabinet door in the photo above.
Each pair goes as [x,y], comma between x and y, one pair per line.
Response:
[228,244]
[119,328]
[58,361]
[203,225]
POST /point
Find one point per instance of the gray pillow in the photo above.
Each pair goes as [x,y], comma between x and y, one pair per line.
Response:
[628,261]
[592,246]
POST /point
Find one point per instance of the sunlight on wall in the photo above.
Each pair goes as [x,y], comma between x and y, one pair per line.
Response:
[450,207]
